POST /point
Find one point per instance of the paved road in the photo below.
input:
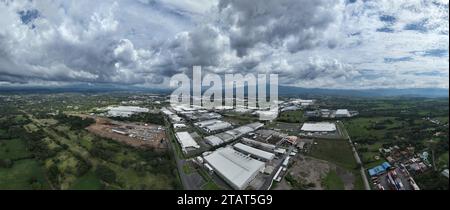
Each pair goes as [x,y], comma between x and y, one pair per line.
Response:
[269,182]
[183,176]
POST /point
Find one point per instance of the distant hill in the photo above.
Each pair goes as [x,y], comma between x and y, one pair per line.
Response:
[282,91]
[387,92]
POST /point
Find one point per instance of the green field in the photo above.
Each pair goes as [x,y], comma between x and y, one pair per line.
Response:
[335,151]
[361,127]
[13,149]
[340,153]
[291,116]
[332,181]
[24,175]
[87,182]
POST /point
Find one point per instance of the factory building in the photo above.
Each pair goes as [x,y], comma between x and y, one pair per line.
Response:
[342,113]
[237,169]
[125,111]
[319,127]
[212,126]
[186,141]
[214,140]
[265,146]
[232,134]
[256,153]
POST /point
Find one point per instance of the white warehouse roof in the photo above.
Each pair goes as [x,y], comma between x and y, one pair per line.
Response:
[342,112]
[235,168]
[125,111]
[255,152]
[186,141]
[214,140]
[319,127]
[213,125]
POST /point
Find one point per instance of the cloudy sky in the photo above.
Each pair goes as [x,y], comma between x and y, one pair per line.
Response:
[309,43]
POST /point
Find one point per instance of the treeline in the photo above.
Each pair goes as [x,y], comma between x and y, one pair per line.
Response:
[75,123]
[12,126]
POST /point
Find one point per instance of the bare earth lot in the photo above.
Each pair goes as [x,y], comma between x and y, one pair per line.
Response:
[103,127]
[319,172]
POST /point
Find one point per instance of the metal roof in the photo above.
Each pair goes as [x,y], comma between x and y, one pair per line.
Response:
[255,152]
[319,127]
[234,167]
[185,139]
[342,112]
[214,140]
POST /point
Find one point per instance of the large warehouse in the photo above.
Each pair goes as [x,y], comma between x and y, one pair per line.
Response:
[237,169]
[319,127]
[213,125]
[186,141]
[257,153]
[230,135]
[342,113]
[125,111]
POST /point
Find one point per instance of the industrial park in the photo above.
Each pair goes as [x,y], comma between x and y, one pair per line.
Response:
[221,102]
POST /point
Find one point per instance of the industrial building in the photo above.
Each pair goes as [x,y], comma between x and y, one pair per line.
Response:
[200,115]
[302,102]
[375,171]
[179,125]
[342,113]
[186,141]
[237,169]
[212,126]
[231,135]
[120,131]
[312,114]
[319,127]
[214,140]
[173,117]
[257,153]
[125,111]
[265,146]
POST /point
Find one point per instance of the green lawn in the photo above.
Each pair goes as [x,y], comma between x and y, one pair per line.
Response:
[361,127]
[358,184]
[332,181]
[338,152]
[335,151]
[87,182]
[291,116]
[443,160]
[20,175]
[13,149]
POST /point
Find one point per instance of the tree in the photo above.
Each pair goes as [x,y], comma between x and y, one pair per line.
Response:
[6,163]
[106,174]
